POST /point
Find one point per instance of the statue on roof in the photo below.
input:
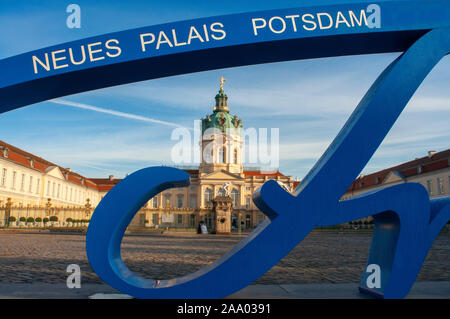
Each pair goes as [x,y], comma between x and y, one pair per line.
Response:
[222,82]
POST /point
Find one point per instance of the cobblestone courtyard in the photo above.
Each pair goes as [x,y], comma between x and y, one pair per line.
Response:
[323,257]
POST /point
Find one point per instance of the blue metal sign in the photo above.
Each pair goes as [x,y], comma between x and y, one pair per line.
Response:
[406,220]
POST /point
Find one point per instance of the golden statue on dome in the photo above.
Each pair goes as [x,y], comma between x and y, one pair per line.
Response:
[222,81]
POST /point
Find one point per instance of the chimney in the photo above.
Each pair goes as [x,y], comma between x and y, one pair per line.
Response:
[431,153]
[111,177]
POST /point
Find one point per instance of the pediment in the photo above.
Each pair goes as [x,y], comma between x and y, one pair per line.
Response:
[222,175]
[394,177]
[55,172]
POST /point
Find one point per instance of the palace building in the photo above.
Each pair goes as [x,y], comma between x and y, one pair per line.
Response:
[220,194]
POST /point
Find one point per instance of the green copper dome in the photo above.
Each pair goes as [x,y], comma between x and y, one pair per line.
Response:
[221,117]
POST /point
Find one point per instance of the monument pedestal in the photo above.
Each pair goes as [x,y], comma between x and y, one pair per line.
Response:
[222,214]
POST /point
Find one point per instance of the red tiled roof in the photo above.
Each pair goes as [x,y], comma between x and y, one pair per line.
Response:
[105,181]
[24,158]
[258,173]
[415,167]
[105,188]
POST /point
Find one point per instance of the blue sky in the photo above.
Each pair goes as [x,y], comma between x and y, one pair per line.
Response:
[308,100]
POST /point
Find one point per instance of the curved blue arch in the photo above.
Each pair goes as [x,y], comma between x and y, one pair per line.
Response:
[400,27]
[425,40]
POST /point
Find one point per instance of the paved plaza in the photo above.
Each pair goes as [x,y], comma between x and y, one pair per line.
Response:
[323,257]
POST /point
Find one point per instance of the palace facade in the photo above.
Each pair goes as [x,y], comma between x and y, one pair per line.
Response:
[220,194]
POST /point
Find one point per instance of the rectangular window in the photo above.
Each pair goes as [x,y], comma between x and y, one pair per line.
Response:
[4,174]
[180,219]
[180,201]
[208,196]
[155,202]
[193,201]
[14,180]
[430,187]
[59,191]
[155,219]
[67,192]
[30,186]
[440,185]
[22,183]
[38,182]
[247,203]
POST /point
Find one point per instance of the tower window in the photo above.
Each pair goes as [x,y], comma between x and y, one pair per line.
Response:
[221,156]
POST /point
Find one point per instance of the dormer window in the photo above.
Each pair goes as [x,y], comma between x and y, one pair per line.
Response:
[5,151]
[31,160]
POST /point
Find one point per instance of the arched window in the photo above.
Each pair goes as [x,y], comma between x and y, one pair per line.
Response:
[235,159]
[208,196]
[208,154]
[235,197]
